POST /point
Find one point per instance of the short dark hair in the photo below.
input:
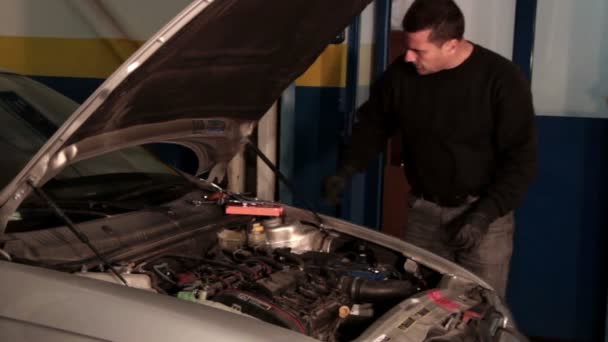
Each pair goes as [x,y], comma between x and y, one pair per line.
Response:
[443,17]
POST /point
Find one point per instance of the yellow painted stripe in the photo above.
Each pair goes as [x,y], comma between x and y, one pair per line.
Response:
[99,57]
[329,70]
[71,57]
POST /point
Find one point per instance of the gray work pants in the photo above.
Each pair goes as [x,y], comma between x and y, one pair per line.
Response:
[490,261]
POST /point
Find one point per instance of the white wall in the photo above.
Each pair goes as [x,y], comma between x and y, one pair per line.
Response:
[570,65]
[488,22]
[77,38]
[133,19]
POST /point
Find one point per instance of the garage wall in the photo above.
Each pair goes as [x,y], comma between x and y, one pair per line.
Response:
[570,63]
[559,280]
[73,45]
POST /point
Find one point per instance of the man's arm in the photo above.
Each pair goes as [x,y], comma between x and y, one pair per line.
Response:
[515,146]
[376,123]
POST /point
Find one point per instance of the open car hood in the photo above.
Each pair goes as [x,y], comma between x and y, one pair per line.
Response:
[202,81]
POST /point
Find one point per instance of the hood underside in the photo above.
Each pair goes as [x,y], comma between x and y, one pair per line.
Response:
[231,60]
[224,60]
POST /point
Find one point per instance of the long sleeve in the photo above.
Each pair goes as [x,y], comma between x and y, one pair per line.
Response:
[376,121]
[515,144]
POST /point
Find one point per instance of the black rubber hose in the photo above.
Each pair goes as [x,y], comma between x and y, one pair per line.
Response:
[370,291]
[293,258]
[269,261]
[245,271]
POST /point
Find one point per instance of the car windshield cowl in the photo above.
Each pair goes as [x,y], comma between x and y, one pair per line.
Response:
[117,187]
[93,197]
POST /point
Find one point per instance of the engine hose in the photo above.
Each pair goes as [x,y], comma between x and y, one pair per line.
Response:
[250,274]
[370,291]
[285,253]
[269,261]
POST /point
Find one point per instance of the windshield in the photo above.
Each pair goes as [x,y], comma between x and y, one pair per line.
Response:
[129,179]
[31,112]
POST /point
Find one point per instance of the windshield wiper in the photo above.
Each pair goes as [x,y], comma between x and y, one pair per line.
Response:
[80,235]
[86,206]
[147,189]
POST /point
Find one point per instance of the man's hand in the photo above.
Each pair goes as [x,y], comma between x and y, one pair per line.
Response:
[465,232]
[333,188]
[334,185]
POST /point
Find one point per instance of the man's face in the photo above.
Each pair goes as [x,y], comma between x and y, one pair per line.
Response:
[427,56]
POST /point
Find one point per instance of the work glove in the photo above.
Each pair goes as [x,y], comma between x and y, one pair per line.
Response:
[334,185]
[465,232]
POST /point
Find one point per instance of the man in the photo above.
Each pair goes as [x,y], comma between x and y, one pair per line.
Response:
[469,142]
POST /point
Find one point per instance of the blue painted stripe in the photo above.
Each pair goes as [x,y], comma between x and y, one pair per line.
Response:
[558,280]
[317,123]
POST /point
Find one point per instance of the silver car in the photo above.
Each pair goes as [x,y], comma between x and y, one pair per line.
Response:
[100,241]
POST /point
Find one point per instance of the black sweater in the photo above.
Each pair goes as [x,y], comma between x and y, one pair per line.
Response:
[466,131]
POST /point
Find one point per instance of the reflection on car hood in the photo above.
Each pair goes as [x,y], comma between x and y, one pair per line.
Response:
[203,81]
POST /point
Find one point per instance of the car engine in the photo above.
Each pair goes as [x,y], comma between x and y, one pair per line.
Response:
[292,271]
[290,274]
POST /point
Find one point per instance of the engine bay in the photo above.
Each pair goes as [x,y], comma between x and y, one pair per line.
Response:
[329,283]
[321,284]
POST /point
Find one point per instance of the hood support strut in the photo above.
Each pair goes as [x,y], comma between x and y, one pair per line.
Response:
[80,235]
[285,180]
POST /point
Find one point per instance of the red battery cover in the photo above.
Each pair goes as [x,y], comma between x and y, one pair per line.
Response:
[254,210]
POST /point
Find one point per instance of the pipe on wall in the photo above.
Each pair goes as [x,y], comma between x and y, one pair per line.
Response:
[267,143]
[236,173]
